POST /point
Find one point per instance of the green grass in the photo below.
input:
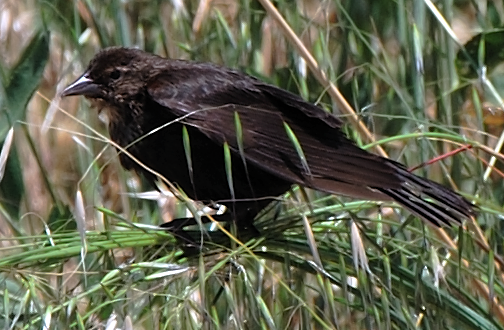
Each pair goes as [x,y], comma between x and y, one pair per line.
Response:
[78,251]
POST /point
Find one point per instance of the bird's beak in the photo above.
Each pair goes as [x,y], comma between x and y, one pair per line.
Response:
[83,86]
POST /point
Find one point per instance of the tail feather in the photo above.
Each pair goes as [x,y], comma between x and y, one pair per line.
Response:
[430,200]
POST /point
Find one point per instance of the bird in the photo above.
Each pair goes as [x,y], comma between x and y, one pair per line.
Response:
[225,137]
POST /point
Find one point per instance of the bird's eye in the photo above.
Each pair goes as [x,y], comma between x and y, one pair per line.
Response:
[115,74]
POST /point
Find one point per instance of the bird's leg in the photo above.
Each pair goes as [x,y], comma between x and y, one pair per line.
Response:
[245,222]
[180,223]
[192,238]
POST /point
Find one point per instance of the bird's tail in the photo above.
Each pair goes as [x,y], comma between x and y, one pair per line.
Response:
[430,200]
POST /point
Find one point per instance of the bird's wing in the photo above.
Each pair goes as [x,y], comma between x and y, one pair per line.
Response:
[275,130]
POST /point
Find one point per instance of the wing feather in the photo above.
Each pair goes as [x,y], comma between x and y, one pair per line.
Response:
[335,163]
[263,110]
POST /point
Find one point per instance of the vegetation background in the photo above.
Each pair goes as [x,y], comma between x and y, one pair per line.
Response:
[78,243]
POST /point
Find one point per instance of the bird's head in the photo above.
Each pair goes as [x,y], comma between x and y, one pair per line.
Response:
[114,75]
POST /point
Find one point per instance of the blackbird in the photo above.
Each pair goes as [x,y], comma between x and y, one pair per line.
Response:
[223,136]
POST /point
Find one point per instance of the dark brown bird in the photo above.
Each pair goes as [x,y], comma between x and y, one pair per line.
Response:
[273,138]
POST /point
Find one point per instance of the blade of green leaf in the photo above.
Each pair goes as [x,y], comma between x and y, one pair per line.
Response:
[229,172]
[24,79]
[295,142]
